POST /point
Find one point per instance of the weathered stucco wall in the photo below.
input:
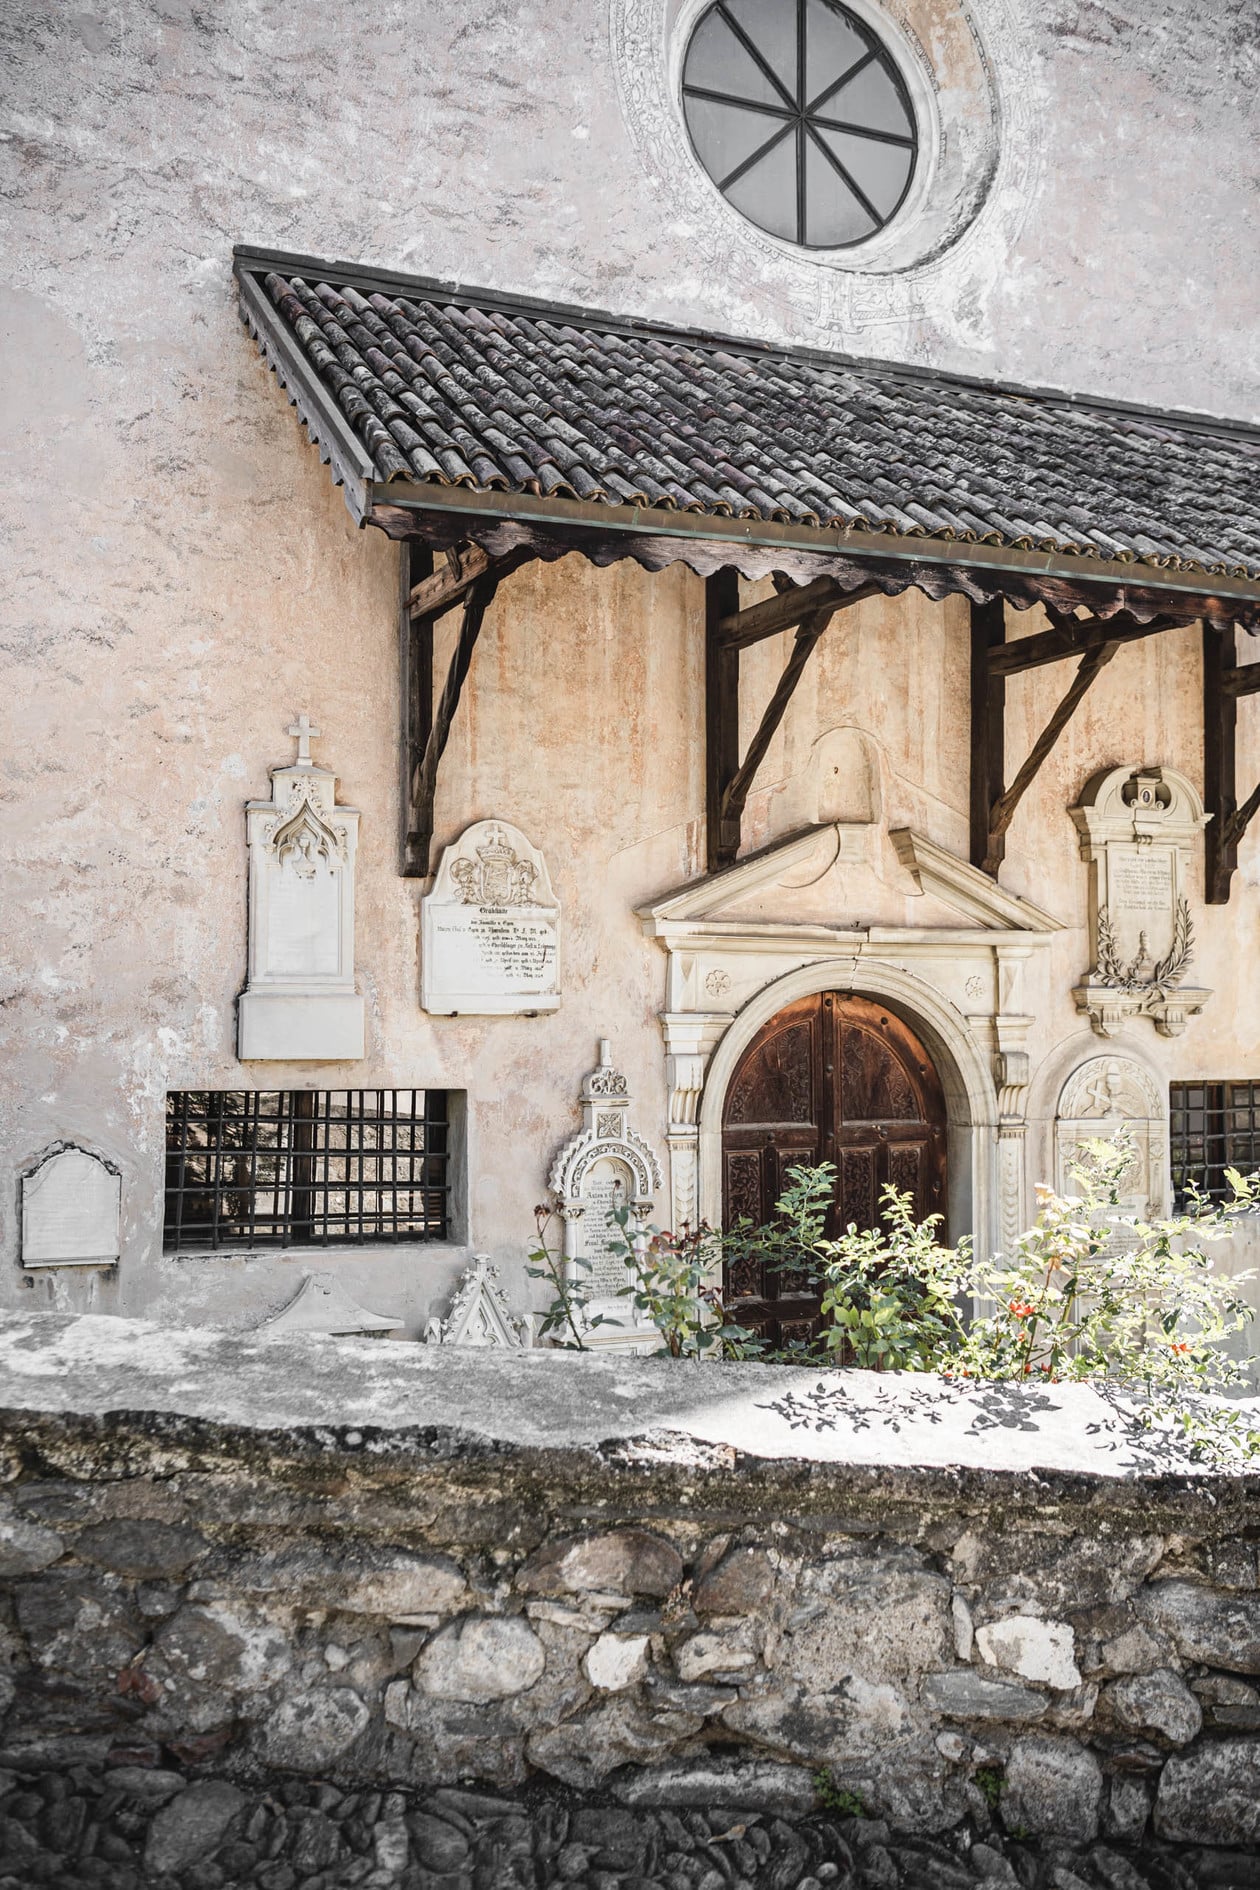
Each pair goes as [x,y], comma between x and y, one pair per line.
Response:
[382,1568]
[182,578]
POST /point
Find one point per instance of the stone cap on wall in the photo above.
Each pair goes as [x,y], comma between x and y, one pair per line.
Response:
[414,1403]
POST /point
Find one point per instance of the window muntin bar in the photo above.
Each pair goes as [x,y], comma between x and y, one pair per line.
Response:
[305,1168]
[1213,1125]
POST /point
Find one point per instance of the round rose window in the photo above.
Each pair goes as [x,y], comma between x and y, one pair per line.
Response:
[801,118]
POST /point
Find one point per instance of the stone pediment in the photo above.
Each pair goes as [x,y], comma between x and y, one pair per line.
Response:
[824,878]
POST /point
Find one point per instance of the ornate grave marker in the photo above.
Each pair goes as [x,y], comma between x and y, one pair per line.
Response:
[605,1167]
[490,929]
[300,1003]
[1136,827]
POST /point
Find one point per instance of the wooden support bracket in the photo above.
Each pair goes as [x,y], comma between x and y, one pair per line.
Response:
[728,630]
[795,603]
[1003,810]
[1224,681]
[993,659]
[721,715]
[469,577]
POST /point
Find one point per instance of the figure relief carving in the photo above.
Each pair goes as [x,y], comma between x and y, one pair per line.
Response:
[1100,1097]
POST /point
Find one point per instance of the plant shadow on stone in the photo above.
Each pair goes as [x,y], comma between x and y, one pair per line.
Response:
[1090,1293]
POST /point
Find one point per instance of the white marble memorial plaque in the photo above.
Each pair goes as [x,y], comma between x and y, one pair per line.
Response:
[300,1003]
[70,1209]
[490,929]
[1137,826]
[607,1185]
[606,1166]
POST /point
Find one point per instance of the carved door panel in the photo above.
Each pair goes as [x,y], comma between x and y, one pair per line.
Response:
[831,1078]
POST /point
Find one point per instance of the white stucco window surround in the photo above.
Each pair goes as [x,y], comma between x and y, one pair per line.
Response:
[959,111]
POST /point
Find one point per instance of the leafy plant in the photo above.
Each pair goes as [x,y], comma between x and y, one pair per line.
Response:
[673,1279]
[889,1293]
[838,1798]
[989,1780]
[676,1281]
[1089,1293]
[566,1321]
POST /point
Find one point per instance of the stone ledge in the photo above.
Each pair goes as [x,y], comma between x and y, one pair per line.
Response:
[412,1403]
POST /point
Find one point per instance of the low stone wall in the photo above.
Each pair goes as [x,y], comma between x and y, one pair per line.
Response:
[391,1568]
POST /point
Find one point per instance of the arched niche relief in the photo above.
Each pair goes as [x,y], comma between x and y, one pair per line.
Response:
[847,789]
[1101,1096]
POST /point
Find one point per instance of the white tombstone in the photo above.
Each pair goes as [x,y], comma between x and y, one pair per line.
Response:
[1137,826]
[71,1202]
[490,929]
[603,1168]
[300,1004]
[479,1313]
[1101,1097]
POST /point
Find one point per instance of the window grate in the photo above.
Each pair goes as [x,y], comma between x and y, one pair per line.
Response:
[305,1168]
[1212,1126]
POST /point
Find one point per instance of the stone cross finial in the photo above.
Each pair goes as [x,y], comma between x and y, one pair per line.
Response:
[302,731]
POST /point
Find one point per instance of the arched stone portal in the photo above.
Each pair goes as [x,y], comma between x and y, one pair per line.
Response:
[830,1078]
[956,1054]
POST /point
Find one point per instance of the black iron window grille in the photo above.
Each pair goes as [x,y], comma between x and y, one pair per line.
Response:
[799,115]
[305,1168]
[1212,1127]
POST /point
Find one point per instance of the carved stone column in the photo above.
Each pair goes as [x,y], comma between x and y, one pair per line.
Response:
[1011,1073]
[689,1042]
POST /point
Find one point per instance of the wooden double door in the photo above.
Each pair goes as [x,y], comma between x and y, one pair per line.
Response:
[830,1078]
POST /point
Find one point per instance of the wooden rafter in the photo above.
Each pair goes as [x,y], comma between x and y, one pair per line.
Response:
[473,579]
[1003,811]
[1075,636]
[462,566]
[736,792]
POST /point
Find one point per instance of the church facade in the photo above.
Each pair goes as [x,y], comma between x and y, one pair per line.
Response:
[763,677]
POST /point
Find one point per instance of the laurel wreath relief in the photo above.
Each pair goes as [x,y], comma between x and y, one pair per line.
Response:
[1152,986]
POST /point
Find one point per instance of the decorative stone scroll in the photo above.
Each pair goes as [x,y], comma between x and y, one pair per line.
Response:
[71,1201]
[1136,827]
[300,1004]
[479,1313]
[604,1167]
[490,929]
[1101,1097]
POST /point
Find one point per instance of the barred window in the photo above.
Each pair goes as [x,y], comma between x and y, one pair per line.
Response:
[1212,1126]
[307,1167]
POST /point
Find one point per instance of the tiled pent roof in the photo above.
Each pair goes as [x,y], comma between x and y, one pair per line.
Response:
[440,388]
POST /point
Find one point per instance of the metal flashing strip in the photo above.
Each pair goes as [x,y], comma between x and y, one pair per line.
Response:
[891,547]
